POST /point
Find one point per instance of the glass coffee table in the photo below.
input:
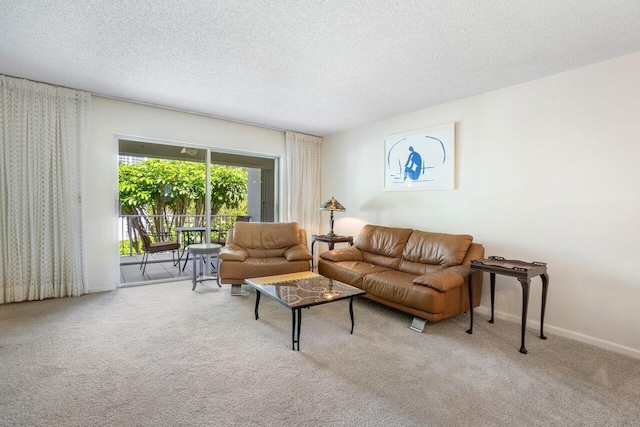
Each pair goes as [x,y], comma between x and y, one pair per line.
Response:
[301,290]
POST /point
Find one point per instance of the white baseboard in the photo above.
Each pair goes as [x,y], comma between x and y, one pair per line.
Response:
[597,342]
[101,289]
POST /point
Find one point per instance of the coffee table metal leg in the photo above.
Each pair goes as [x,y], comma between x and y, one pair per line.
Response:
[299,324]
[293,329]
[351,312]
[258,293]
[296,320]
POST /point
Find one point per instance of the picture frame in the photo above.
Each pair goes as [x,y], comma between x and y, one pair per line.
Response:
[422,159]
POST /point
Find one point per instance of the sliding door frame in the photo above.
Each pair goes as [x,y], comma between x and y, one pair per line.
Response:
[208,149]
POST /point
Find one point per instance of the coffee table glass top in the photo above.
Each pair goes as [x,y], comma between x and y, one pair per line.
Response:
[304,289]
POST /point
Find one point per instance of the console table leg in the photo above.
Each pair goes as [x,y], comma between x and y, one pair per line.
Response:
[470,286]
[493,293]
[525,305]
[545,288]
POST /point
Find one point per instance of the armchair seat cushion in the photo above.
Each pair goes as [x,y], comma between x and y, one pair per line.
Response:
[260,267]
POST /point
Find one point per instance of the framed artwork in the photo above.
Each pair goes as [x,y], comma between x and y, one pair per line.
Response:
[423,159]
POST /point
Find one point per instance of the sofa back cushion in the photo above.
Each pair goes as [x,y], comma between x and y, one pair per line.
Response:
[384,241]
[267,237]
[436,248]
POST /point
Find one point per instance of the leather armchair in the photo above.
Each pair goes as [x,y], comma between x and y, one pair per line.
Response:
[257,249]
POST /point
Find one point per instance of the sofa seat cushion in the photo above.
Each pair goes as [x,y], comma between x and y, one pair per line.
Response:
[350,272]
[260,267]
[398,287]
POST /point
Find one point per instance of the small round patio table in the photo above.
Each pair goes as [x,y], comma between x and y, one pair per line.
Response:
[203,249]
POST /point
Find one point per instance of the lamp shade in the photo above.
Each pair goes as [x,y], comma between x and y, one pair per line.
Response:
[332,205]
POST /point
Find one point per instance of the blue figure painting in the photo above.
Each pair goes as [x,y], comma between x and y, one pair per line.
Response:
[413,166]
[421,159]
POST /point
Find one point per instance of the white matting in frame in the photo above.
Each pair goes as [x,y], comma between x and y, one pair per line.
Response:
[423,159]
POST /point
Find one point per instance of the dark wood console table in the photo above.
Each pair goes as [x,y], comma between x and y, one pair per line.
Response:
[331,240]
[523,271]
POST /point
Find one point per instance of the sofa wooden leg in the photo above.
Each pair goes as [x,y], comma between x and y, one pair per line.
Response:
[418,324]
[236,290]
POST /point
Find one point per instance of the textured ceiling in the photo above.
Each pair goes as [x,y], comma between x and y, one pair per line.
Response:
[316,66]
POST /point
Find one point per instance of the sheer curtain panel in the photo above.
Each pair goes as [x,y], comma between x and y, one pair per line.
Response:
[303,180]
[43,133]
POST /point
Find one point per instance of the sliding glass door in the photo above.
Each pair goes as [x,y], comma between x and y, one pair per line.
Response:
[185,194]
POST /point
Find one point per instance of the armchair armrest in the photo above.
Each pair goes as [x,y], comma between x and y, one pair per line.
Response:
[343,254]
[444,280]
[297,253]
[233,253]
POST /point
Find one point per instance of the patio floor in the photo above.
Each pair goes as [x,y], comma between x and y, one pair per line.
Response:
[159,267]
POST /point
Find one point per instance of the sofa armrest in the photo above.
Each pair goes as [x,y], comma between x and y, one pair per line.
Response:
[298,253]
[444,280]
[343,254]
[233,253]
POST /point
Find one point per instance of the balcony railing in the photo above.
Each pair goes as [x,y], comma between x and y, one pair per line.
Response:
[163,228]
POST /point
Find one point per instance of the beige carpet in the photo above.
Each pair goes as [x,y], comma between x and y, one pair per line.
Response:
[162,355]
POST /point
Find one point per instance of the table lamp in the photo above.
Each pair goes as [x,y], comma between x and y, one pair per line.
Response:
[332,205]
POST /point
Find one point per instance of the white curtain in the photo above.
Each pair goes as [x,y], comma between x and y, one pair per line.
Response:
[43,133]
[303,181]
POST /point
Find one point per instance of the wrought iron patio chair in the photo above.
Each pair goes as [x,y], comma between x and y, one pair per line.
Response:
[150,247]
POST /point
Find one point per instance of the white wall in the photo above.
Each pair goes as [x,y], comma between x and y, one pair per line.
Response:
[546,171]
[111,117]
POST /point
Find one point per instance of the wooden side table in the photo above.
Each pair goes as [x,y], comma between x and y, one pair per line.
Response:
[331,240]
[523,271]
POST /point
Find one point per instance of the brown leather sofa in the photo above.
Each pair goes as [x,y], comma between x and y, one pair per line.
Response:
[256,249]
[420,273]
